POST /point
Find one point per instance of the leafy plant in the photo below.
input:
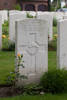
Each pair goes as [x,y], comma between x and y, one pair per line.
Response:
[29,16]
[19,63]
[32,89]
[8,45]
[10,78]
[17,7]
[52,45]
[54,81]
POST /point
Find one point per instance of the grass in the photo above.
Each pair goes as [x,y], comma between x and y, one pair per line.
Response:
[6,65]
[39,97]
[55,30]
[52,60]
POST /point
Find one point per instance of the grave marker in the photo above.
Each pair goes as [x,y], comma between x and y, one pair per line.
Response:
[32,42]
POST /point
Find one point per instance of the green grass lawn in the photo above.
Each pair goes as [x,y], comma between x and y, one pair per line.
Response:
[39,97]
[55,30]
[6,65]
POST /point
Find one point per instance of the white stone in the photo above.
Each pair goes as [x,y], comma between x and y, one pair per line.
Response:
[12,18]
[32,42]
[4,14]
[62,44]
[65,17]
[13,11]
[32,13]
[0,32]
[16,11]
[58,15]
[48,17]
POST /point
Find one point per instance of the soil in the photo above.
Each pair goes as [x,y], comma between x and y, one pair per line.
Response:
[51,49]
[8,91]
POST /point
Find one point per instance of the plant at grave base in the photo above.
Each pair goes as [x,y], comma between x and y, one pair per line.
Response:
[54,21]
[52,45]
[13,76]
[55,36]
[19,63]
[7,44]
[54,81]
[10,80]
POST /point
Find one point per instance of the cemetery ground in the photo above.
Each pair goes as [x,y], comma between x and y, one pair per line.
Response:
[7,66]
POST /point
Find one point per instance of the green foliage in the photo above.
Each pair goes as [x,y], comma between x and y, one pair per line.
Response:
[37,97]
[54,22]
[56,4]
[54,81]
[10,80]
[8,45]
[11,46]
[32,89]
[54,30]
[7,65]
[52,8]
[64,7]
[52,45]
[29,16]
[17,7]
[5,28]
[20,62]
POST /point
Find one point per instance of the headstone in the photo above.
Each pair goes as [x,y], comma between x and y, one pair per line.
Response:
[4,14]
[0,32]
[12,19]
[62,44]
[32,42]
[47,16]
[16,11]
[65,17]
[13,11]
[58,15]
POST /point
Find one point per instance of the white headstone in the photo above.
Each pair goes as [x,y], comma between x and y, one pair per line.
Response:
[13,11]
[65,17]
[4,14]
[12,19]
[58,15]
[62,44]
[0,32]
[47,16]
[32,42]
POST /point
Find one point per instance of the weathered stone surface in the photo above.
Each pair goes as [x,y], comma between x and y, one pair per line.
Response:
[12,18]
[65,17]
[32,42]
[4,14]
[62,44]
[48,17]
[16,11]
